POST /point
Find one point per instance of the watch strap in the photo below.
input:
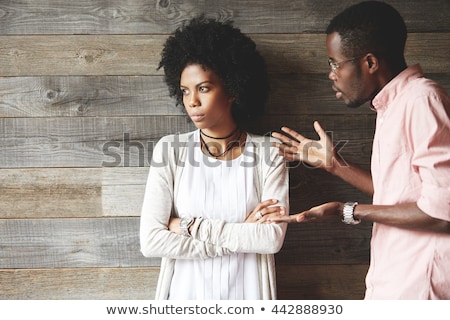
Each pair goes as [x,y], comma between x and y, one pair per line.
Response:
[348,213]
[185,224]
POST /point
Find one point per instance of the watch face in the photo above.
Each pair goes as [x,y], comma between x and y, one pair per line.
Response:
[185,222]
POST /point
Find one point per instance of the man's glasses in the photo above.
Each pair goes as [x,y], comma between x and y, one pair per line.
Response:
[336,65]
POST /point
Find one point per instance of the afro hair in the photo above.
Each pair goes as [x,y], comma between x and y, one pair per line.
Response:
[231,55]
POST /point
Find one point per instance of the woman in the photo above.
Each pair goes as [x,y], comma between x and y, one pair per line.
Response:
[210,191]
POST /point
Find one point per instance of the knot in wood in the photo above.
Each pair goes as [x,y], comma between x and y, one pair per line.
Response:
[164,3]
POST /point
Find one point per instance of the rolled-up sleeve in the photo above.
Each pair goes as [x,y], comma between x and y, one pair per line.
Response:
[432,157]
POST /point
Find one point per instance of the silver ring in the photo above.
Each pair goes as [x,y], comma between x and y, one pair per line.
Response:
[258,215]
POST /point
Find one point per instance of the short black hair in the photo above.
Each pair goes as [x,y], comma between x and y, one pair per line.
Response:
[231,55]
[372,27]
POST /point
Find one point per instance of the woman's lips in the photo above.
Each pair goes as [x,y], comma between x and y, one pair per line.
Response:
[197,117]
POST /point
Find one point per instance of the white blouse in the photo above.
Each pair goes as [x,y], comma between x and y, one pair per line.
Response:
[221,190]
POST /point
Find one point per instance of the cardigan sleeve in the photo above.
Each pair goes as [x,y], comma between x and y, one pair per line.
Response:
[155,238]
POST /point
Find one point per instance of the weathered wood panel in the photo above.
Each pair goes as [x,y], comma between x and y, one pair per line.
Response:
[139,54]
[159,16]
[326,243]
[75,77]
[79,283]
[295,282]
[83,141]
[71,243]
[71,192]
[317,282]
[114,242]
[85,96]
[129,141]
[113,192]
[113,96]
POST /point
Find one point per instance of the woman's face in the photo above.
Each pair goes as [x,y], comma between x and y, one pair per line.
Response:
[205,99]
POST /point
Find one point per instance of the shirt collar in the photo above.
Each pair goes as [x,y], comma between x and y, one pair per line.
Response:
[390,91]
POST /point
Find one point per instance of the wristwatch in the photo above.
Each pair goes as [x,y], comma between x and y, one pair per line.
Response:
[347,213]
[185,223]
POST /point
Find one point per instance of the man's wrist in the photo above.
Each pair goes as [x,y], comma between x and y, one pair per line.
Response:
[334,165]
[348,213]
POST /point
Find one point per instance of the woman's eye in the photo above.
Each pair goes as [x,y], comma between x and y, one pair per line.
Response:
[184,91]
[203,89]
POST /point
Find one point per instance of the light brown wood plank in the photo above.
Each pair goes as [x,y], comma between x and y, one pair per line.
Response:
[128,141]
[140,54]
[54,96]
[80,55]
[295,282]
[71,192]
[321,282]
[117,192]
[79,284]
[71,243]
[114,242]
[84,141]
[140,16]
[97,192]
[113,96]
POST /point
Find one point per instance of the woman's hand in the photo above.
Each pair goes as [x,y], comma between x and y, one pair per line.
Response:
[174,225]
[265,210]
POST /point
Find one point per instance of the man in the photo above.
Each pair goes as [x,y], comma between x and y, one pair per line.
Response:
[410,166]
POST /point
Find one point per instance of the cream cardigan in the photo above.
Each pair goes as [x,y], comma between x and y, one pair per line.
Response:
[210,238]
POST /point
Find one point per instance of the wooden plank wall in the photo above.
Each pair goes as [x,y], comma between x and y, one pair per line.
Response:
[81,104]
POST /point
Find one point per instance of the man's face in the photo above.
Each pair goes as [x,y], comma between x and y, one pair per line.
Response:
[349,76]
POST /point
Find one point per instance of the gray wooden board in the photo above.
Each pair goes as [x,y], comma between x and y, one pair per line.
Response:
[132,55]
[114,242]
[160,16]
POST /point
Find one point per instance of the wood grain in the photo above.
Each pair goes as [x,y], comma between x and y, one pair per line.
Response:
[160,16]
[71,243]
[124,96]
[321,282]
[295,282]
[81,55]
[71,192]
[82,103]
[114,242]
[114,192]
[84,141]
[79,284]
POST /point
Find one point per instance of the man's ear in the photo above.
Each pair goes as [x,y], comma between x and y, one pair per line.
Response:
[372,62]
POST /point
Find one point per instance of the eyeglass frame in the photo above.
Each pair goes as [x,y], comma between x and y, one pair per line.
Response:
[336,65]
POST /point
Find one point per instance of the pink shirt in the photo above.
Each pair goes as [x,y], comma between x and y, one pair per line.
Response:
[411,163]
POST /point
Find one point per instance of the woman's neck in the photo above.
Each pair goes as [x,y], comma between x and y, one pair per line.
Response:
[224,147]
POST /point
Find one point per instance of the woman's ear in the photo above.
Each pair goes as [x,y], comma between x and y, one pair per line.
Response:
[231,100]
